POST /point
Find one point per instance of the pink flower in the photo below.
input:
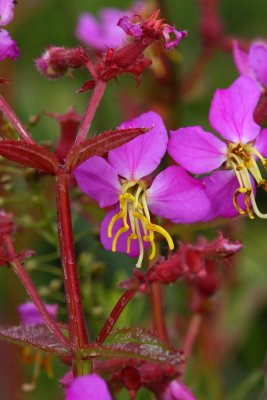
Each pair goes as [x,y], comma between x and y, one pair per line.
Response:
[8,47]
[91,387]
[177,391]
[122,182]
[6,11]
[252,63]
[29,314]
[104,32]
[200,152]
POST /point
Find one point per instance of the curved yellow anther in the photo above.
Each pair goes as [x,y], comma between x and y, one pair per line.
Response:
[131,237]
[119,232]
[247,192]
[163,232]
[112,222]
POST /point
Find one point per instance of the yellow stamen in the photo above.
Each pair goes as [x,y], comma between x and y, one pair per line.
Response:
[241,159]
[119,232]
[133,206]
[131,237]
[115,218]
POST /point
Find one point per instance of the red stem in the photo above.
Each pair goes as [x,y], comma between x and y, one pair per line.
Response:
[77,327]
[191,336]
[14,120]
[115,313]
[90,111]
[156,297]
[34,295]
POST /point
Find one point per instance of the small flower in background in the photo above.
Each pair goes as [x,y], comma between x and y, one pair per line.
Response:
[122,182]
[29,314]
[177,391]
[8,47]
[200,152]
[100,33]
[252,63]
[91,387]
[6,11]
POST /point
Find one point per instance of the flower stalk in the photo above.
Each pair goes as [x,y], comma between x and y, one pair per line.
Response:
[90,111]
[33,293]
[77,328]
[115,313]
[156,297]
[14,120]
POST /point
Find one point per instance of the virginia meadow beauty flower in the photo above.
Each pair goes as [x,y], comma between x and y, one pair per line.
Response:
[122,182]
[29,314]
[103,32]
[91,387]
[252,63]
[8,47]
[200,152]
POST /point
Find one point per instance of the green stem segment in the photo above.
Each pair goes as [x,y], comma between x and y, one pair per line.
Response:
[77,327]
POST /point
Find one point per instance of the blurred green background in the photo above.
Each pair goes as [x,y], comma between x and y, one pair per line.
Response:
[244,321]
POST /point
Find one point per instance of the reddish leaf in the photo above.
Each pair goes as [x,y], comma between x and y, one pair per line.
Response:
[100,145]
[31,155]
[134,344]
[35,336]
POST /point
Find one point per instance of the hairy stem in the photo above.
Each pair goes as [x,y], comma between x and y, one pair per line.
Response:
[34,295]
[90,111]
[77,327]
[15,122]
[156,297]
[115,313]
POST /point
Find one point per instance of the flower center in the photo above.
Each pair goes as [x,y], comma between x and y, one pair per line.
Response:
[136,219]
[241,158]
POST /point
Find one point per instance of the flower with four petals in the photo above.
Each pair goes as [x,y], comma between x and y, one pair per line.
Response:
[122,182]
[230,189]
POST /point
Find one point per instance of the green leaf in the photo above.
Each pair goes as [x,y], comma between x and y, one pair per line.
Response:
[134,344]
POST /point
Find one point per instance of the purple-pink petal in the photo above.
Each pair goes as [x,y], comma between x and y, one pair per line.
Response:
[231,112]
[29,314]
[122,241]
[172,36]
[177,391]
[196,150]
[91,387]
[102,33]
[130,28]
[176,195]
[261,143]
[8,47]
[99,180]
[241,60]
[142,155]
[220,188]
[6,11]
[258,62]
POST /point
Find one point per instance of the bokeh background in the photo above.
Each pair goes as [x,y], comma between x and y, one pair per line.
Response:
[242,307]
